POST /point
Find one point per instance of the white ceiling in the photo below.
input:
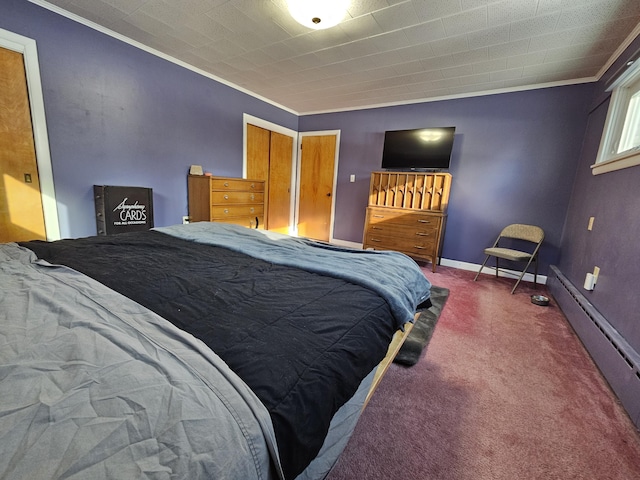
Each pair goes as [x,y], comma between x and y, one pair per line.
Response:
[385,51]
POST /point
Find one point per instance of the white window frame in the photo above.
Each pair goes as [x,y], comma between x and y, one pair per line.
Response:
[608,158]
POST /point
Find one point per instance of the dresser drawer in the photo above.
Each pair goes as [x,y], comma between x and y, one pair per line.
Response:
[223,212]
[400,230]
[402,217]
[236,184]
[249,221]
[411,244]
[232,197]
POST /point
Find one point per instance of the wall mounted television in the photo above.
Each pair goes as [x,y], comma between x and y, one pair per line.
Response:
[418,149]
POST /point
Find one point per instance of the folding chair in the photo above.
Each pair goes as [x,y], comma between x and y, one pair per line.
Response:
[529,233]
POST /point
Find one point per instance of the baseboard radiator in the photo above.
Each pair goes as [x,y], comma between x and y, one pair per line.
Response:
[616,359]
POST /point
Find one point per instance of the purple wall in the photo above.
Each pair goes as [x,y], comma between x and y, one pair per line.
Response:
[514,160]
[614,200]
[117,115]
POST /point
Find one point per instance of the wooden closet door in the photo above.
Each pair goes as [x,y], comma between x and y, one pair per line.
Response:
[258,151]
[269,158]
[21,213]
[279,194]
[316,186]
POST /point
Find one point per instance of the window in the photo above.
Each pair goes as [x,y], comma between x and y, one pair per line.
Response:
[630,137]
[620,144]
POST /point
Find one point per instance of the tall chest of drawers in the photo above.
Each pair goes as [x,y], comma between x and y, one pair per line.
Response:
[407,213]
[225,199]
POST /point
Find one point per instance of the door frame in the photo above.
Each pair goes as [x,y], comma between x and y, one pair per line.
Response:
[274,127]
[318,133]
[27,47]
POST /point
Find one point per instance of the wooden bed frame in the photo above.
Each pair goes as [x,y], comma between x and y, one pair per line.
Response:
[394,347]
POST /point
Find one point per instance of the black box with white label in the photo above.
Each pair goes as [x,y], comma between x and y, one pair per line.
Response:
[123,209]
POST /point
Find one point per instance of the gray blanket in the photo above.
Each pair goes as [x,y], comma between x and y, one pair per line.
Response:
[397,279]
[92,385]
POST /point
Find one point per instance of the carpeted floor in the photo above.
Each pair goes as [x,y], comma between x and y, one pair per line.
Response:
[505,391]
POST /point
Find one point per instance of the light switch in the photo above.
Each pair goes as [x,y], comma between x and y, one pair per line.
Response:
[590,226]
[352,178]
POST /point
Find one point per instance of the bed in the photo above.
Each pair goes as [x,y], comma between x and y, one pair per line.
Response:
[193,351]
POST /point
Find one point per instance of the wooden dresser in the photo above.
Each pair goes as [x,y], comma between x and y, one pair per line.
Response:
[224,199]
[407,213]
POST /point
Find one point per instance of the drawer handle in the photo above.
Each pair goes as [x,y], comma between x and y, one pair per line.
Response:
[252,210]
[418,247]
[422,234]
[226,197]
[226,211]
[424,221]
[226,184]
[378,216]
[252,197]
[375,240]
[373,227]
[253,185]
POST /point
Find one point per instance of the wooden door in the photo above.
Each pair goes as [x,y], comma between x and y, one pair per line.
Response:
[279,194]
[21,213]
[258,151]
[317,165]
[269,158]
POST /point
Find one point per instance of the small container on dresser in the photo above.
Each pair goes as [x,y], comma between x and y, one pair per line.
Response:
[226,199]
[407,213]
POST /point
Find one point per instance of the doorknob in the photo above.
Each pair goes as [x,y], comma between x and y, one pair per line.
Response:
[329,194]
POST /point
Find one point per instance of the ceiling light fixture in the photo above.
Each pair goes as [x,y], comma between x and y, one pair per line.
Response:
[318,14]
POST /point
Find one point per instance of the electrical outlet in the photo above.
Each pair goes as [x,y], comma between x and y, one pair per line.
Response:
[185,219]
[590,226]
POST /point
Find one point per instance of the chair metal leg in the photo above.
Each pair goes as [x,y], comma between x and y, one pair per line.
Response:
[481,267]
[514,287]
[522,274]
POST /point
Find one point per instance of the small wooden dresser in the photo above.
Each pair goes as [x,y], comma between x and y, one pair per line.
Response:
[228,200]
[407,213]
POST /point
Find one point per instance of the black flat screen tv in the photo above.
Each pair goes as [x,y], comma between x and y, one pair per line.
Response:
[418,149]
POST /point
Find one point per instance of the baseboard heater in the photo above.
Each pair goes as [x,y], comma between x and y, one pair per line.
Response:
[616,359]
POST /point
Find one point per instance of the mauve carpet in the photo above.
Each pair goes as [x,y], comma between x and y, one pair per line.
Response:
[505,391]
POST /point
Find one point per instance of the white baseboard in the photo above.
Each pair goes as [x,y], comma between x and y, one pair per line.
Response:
[474,267]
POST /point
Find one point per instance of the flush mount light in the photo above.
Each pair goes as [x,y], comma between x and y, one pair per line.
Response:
[318,14]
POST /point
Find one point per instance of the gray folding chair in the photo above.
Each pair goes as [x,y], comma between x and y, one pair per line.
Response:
[529,233]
